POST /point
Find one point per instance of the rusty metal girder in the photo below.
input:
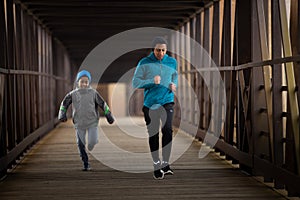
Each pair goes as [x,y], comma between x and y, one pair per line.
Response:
[277,92]
[290,75]
[267,71]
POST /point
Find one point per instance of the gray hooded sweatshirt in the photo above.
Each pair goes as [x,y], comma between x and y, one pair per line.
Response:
[85,106]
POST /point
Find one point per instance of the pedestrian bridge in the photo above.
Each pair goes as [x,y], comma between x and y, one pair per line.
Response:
[236,111]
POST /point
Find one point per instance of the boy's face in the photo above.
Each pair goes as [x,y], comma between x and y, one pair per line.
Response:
[83,82]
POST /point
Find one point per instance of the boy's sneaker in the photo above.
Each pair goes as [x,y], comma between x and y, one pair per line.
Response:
[158,173]
[90,147]
[167,170]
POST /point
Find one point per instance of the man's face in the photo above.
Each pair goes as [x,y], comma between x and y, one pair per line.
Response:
[160,50]
[83,82]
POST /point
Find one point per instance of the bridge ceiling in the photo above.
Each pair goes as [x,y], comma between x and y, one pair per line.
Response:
[82,24]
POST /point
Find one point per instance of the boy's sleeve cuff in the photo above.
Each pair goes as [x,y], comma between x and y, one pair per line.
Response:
[106,110]
[62,108]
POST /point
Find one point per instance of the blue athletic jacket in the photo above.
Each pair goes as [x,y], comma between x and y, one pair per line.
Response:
[146,70]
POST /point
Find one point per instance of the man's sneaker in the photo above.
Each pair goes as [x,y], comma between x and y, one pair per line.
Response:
[158,174]
[86,167]
[167,170]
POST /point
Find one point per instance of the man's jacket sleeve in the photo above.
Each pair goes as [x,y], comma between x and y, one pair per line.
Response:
[139,80]
[175,76]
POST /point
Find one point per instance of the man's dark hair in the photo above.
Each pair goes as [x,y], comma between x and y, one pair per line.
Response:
[159,40]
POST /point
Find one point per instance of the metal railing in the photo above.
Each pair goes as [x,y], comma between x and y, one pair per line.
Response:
[246,138]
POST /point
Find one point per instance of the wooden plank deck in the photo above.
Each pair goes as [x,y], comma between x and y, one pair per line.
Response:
[52,170]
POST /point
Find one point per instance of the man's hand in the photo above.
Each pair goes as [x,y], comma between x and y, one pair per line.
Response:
[157,79]
[172,87]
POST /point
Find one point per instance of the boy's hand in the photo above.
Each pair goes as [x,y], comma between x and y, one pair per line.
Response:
[62,116]
[64,119]
[110,119]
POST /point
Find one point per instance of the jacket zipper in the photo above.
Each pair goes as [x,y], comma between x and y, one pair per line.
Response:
[160,68]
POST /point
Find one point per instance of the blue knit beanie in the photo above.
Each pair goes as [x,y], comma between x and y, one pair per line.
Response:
[83,73]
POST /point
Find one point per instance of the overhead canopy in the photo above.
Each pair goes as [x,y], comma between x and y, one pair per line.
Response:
[82,24]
